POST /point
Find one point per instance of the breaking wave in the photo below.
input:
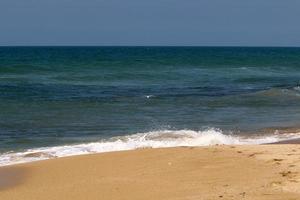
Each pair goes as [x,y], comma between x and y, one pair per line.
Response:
[154,139]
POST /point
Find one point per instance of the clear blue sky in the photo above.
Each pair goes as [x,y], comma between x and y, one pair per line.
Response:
[150,22]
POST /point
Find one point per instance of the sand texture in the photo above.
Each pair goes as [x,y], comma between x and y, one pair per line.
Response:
[218,172]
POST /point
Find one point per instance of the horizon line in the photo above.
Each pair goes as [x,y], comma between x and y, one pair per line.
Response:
[204,46]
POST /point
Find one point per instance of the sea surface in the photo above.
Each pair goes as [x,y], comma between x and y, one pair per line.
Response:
[61,101]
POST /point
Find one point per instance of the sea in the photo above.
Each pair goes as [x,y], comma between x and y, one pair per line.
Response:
[64,101]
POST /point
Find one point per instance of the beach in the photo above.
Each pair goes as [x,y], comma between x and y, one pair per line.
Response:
[215,172]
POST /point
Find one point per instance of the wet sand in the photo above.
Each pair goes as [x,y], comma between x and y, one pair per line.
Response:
[11,176]
[293,141]
[218,172]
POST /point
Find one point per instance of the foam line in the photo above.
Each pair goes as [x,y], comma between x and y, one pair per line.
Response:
[154,139]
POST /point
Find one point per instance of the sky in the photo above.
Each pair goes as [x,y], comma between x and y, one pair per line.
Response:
[150,22]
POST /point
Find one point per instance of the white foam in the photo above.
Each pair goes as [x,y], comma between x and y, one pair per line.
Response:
[149,96]
[155,139]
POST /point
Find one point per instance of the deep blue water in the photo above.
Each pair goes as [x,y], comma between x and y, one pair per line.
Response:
[52,96]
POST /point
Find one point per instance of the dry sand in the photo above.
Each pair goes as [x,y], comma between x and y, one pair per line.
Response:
[219,172]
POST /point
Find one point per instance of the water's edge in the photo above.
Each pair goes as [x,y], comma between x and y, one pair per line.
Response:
[155,139]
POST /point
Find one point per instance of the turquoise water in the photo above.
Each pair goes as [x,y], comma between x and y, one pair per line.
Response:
[54,96]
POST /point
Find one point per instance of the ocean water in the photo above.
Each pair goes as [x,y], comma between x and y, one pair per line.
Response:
[61,101]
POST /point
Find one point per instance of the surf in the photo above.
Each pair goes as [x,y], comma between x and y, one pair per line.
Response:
[152,139]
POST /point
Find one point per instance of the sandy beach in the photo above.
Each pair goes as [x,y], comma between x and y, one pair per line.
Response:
[218,172]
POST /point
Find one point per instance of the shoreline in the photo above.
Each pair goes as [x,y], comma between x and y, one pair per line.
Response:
[155,139]
[290,141]
[214,172]
[41,155]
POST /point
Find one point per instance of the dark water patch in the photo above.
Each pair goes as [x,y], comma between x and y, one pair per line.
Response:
[60,92]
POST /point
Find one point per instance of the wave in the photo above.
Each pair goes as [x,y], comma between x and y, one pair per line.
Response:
[155,139]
